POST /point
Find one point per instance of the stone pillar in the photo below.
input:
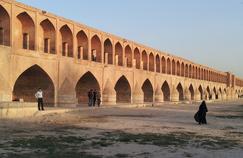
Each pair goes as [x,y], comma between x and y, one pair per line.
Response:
[116,60]
[106,58]
[174,94]
[187,94]
[219,95]
[138,97]
[224,96]
[159,97]
[134,63]
[125,62]
[141,65]
[197,95]
[109,94]
[213,96]
[81,53]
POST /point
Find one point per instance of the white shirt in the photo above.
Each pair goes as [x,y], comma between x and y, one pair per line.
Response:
[39,94]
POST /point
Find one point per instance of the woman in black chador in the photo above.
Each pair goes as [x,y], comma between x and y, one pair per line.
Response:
[200,116]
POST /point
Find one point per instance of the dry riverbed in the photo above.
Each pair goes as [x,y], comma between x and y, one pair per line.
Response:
[116,132]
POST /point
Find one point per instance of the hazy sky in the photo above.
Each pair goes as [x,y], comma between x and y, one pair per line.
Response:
[208,32]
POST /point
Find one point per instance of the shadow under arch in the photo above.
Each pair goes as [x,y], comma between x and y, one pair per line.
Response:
[147,91]
[123,90]
[166,91]
[180,91]
[84,84]
[28,83]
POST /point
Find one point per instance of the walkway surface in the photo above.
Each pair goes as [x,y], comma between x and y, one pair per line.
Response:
[168,130]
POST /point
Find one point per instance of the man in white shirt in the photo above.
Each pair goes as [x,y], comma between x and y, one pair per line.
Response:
[39,97]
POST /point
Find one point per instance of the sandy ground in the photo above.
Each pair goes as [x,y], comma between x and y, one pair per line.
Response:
[148,132]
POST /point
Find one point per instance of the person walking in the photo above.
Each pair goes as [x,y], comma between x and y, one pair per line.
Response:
[94,97]
[90,97]
[200,116]
[39,97]
[98,98]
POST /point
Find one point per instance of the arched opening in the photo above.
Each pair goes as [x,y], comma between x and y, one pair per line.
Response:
[96,48]
[182,69]
[145,60]
[67,41]
[166,91]
[215,92]
[180,91]
[163,65]
[186,71]
[4,27]
[147,91]
[26,36]
[201,92]
[193,72]
[191,92]
[173,67]
[109,51]
[118,52]
[83,45]
[168,66]
[202,75]
[30,81]
[85,83]
[151,62]
[178,66]
[48,37]
[128,55]
[123,90]
[209,96]
[157,63]
[190,71]
[137,57]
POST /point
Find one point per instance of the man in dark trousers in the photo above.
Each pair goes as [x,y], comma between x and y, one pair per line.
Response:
[39,97]
[90,96]
[94,97]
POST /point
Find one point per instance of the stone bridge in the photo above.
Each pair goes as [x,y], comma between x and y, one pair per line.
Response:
[66,59]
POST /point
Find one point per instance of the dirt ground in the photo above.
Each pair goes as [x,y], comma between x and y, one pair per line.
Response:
[164,131]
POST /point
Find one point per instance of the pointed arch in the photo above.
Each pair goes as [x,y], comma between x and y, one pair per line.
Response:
[186,71]
[178,68]
[83,45]
[96,48]
[190,71]
[163,61]
[48,37]
[191,89]
[145,60]
[26,28]
[85,83]
[128,55]
[166,91]
[158,63]
[182,69]
[168,66]
[119,53]
[123,90]
[67,41]
[151,62]
[108,48]
[180,91]
[173,67]
[148,91]
[4,27]
[30,81]
[200,89]
[137,57]
[209,96]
